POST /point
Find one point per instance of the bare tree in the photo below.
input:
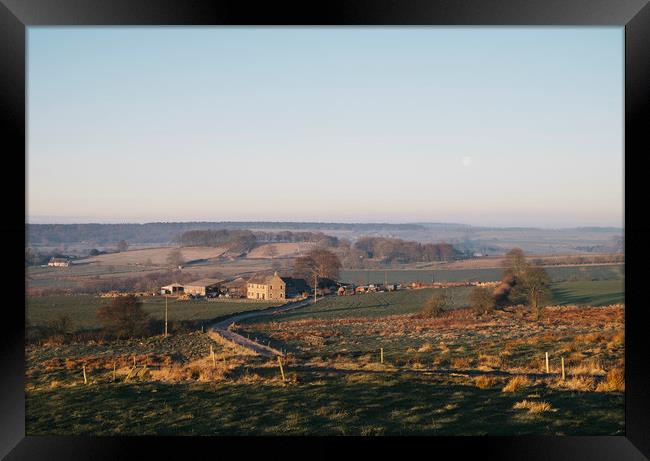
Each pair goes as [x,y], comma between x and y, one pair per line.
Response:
[122,245]
[175,258]
[536,284]
[317,263]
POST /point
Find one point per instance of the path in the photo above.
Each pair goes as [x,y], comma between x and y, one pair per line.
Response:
[222,330]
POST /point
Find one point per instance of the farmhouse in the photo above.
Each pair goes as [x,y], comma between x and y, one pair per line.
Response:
[172,289]
[203,287]
[275,287]
[59,262]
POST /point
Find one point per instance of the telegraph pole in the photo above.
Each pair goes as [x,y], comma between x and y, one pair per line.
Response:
[165,315]
[315,285]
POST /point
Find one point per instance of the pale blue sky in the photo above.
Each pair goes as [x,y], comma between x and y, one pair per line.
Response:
[485,126]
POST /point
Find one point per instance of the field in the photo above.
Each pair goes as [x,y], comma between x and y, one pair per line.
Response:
[571,273]
[448,376]
[82,309]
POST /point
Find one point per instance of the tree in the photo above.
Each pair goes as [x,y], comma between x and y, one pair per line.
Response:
[317,263]
[536,284]
[515,267]
[437,304]
[482,300]
[124,317]
[514,263]
[122,246]
[175,258]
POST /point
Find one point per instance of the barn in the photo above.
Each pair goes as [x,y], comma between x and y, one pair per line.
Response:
[203,287]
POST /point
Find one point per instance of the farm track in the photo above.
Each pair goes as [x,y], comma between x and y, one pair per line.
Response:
[223,332]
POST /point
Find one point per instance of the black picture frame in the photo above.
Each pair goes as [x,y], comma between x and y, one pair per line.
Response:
[634,15]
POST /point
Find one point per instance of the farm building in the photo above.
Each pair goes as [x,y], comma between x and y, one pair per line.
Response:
[172,289]
[235,288]
[59,262]
[275,287]
[203,287]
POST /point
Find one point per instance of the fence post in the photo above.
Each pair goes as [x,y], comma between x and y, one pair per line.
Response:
[281,369]
[84,370]
[563,375]
[114,366]
[381,354]
[547,370]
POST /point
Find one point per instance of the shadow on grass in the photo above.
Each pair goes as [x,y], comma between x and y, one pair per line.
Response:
[405,404]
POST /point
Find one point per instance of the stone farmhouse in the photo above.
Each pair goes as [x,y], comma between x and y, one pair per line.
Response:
[264,287]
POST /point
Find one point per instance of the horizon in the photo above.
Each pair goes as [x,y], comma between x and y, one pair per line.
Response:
[499,127]
[253,221]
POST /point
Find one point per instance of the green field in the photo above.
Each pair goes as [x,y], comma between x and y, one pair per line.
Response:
[82,309]
[593,293]
[560,273]
[596,293]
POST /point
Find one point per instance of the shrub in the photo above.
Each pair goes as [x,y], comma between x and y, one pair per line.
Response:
[436,305]
[124,317]
[482,300]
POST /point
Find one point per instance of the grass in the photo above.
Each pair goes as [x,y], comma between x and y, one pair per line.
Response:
[593,293]
[82,309]
[405,405]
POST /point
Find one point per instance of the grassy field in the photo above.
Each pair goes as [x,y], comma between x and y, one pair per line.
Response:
[82,309]
[458,375]
[594,293]
[562,273]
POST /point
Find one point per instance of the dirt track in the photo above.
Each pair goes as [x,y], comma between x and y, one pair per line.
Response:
[222,328]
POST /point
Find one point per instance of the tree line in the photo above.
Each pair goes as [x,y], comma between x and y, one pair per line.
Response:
[394,250]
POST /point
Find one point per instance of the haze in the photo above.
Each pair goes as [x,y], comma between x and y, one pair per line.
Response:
[484,126]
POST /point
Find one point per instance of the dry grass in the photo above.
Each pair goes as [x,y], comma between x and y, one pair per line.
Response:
[200,370]
[485,382]
[533,407]
[576,383]
[591,367]
[517,383]
[461,363]
[614,381]
[426,347]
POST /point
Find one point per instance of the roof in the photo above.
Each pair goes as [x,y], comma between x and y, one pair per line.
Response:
[204,283]
[173,285]
[59,260]
[239,281]
[262,279]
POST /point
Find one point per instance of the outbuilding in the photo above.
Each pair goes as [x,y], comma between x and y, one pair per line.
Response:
[203,287]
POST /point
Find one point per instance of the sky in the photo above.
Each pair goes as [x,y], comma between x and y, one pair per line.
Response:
[488,126]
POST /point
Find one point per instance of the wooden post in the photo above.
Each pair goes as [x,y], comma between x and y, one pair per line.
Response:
[547,369]
[214,363]
[281,369]
[84,370]
[563,375]
[134,361]
[114,367]
[381,354]
[165,315]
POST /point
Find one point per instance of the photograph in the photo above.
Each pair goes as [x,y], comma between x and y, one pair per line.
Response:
[325,231]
